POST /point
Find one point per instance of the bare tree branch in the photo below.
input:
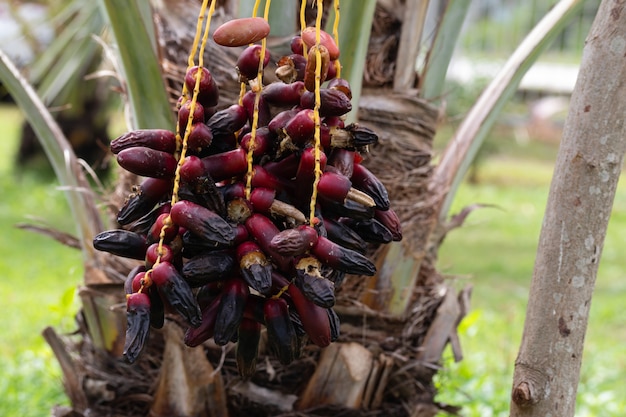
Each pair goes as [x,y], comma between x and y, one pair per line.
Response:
[579,205]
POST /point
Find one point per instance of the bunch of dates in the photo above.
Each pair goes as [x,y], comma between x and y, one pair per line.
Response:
[230,259]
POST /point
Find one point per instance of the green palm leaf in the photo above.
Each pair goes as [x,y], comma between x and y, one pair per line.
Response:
[141,70]
[59,152]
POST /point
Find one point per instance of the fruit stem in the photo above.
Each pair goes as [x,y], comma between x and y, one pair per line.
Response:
[196,89]
[167,223]
[257,88]
[336,35]
[281,292]
[194,101]
[146,281]
[303,25]
[316,108]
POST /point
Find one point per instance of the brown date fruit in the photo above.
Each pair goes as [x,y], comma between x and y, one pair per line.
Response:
[241,32]
[138,325]
[176,292]
[282,338]
[234,296]
[311,66]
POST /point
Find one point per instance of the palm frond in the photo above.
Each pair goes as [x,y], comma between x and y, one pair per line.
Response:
[354,35]
[141,70]
[60,154]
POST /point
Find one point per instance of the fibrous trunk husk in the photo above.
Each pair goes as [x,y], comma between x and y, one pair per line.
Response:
[382,365]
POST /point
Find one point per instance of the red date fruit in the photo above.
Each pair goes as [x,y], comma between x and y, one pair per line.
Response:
[225,165]
[296,45]
[279,121]
[264,115]
[285,168]
[363,179]
[133,279]
[199,139]
[184,112]
[152,254]
[301,127]
[263,142]
[315,324]
[262,199]
[241,32]
[332,70]
[198,335]
[282,94]
[306,168]
[248,346]
[157,139]
[334,186]
[342,160]
[334,121]
[170,232]
[228,121]
[263,230]
[248,62]
[147,162]
[333,102]
[390,220]
[202,222]
[262,178]
[208,91]
[342,258]
[192,170]
[309,38]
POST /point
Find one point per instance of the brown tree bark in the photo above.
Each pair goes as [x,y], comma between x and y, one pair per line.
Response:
[579,206]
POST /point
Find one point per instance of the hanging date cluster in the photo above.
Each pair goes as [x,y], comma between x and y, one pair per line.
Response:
[226,235]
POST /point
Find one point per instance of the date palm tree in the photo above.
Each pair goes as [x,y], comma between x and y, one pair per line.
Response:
[395,325]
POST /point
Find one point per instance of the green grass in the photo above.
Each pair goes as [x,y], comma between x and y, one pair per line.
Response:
[39,277]
[494,252]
